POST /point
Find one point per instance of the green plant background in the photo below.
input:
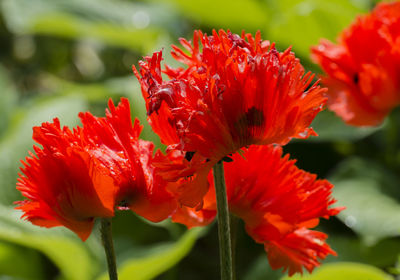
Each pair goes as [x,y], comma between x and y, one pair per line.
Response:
[60,57]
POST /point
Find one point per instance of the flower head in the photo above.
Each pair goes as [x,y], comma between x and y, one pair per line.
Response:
[362,69]
[64,184]
[278,203]
[84,174]
[235,91]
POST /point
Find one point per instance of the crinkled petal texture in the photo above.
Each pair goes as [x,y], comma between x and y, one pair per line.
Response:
[84,174]
[187,178]
[114,140]
[362,69]
[235,91]
[278,203]
[64,185]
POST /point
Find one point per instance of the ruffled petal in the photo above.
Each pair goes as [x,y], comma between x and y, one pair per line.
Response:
[63,184]
[279,204]
[235,91]
[115,141]
[362,69]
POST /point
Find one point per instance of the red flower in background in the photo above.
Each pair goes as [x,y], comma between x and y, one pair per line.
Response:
[64,185]
[235,91]
[82,175]
[363,68]
[115,142]
[278,203]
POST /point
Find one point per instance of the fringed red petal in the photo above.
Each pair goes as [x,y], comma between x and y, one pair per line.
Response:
[63,184]
[235,91]
[278,203]
[362,69]
[130,161]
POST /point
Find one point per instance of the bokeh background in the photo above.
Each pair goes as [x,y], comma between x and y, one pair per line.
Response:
[60,57]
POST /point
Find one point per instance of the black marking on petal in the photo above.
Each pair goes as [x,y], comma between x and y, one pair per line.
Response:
[356,78]
[189,155]
[252,118]
[227,159]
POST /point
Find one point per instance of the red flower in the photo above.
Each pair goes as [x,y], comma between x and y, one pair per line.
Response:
[115,142]
[81,175]
[363,68]
[235,91]
[278,202]
[64,185]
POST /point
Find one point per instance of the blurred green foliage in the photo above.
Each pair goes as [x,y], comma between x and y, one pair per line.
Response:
[353,271]
[60,57]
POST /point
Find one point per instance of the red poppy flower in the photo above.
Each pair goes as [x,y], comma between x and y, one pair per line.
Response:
[85,174]
[64,185]
[235,91]
[115,142]
[278,203]
[362,69]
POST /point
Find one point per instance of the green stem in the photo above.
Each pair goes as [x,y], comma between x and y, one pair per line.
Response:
[391,138]
[234,226]
[106,237]
[224,233]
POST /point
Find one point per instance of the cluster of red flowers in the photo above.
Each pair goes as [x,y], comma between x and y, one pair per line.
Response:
[237,93]
[363,68]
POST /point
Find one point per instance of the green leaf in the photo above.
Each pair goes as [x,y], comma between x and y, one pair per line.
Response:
[368,193]
[355,167]
[158,259]
[331,128]
[20,262]
[369,212]
[17,139]
[343,270]
[234,14]
[261,270]
[67,252]
[110,22]
[301,23]
[8,99]
[352,249]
